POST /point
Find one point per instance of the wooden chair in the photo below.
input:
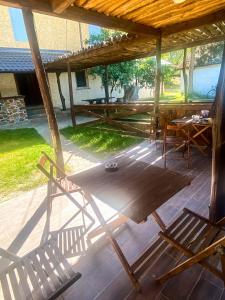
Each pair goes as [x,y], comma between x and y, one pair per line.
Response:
[171,139]
[61,185]
[200,240]
[43,273]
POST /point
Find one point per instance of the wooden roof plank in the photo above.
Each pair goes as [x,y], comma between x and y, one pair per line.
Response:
[59,6]
[86,16]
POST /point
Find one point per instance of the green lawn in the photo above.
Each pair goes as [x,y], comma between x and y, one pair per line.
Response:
[100,139]
[20,150]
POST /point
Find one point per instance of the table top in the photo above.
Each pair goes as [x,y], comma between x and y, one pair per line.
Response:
[135,190]
[190,121]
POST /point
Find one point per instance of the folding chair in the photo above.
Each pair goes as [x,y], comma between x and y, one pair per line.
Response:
[44,273]
[172,139]
[62,183]
[200,240]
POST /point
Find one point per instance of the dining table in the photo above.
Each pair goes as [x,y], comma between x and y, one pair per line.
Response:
[135,189]
[197,129]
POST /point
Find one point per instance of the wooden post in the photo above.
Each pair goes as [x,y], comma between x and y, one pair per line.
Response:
[73,117]
[185,76]
[217,202]
[191,71]
[44,87]
[157,80]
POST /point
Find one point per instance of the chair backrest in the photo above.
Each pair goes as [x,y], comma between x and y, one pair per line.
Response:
[49,167]
[171,129]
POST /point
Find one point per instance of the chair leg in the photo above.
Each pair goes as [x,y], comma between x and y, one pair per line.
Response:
[164,154]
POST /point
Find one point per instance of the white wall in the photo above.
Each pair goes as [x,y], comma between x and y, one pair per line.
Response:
[205,78]
[95,90]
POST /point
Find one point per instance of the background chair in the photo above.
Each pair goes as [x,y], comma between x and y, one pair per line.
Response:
[173,141]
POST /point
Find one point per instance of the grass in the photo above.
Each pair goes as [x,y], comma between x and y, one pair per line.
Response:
[20,150]
[101,139]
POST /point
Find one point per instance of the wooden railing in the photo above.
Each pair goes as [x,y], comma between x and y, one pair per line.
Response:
[118,114]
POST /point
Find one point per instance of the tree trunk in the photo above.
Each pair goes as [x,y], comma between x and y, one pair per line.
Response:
[106,84]
[217,202]
[73,117]
[185,76]
[63,101]
[191,71]
[44,87]
[130,93]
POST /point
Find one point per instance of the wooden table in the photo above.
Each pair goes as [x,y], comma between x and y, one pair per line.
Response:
[135,190]
[96,100]
[197,130]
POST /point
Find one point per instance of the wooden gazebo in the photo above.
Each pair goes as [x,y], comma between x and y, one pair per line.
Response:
[156,27]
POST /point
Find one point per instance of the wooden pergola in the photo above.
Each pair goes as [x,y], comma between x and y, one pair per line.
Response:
[160,26]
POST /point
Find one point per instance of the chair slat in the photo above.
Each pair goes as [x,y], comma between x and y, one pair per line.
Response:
[42,275]
[57,266]
[54,280]
[24,282]
[67,268]
[5,286]
[37,292]
[17,291]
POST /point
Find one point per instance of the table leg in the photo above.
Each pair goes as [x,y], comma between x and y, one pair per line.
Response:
[159,221]
[200,132]
[113,241]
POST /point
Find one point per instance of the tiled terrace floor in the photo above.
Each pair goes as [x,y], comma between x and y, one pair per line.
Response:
[25,226]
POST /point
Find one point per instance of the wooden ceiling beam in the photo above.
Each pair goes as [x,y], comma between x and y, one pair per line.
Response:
[195,23]
[59,6]
[78,14]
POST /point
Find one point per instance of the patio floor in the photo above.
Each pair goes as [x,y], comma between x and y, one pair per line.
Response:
[27,221]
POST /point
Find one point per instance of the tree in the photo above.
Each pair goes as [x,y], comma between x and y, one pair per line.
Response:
[129,75]
[209,54]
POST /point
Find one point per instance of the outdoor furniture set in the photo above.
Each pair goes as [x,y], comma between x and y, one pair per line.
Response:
[128,191]
[185,132]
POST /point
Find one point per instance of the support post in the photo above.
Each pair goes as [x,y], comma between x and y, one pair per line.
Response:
[73,117]
[157,80]
[185,76]
[217,202]
[191,71]
[44,87]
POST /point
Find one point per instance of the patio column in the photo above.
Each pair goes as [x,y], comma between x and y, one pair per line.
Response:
[73,117]
[157,80]
[185,76]
[217,203]
[43,84]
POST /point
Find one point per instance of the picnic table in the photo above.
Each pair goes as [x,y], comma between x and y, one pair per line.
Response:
[97,100]
[136,190]
[197,130]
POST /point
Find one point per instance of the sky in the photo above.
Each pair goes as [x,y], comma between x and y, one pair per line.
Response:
[18,24]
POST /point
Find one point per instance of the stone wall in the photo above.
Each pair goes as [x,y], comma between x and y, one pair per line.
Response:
[12,110]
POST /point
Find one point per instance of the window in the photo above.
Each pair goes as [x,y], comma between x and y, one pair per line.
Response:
[18,26]
[81,79]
